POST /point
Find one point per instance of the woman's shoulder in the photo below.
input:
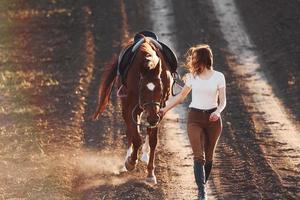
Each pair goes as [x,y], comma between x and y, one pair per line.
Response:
[187,78]
[219,74]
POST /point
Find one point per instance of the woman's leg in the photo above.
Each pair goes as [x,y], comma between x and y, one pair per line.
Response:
[196,137]
[213,132]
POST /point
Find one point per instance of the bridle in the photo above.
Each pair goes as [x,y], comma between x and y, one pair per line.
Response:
[142,106]
[139,124]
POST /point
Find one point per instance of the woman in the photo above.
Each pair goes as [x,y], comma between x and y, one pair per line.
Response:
[204,123]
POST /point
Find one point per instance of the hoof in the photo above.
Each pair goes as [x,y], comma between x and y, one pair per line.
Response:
[128,165]
[145,158]
[123,169]
[152,180]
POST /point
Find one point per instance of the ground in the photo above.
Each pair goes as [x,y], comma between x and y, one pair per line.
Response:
[52,56]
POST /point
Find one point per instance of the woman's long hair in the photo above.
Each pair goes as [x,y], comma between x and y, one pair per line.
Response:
[198,57]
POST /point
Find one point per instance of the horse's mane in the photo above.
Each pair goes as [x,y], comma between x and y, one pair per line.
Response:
[148,46]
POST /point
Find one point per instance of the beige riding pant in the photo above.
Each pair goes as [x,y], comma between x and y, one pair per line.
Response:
[203,134]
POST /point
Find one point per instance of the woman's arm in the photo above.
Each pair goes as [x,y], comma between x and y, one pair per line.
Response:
[222,97]
[176,100]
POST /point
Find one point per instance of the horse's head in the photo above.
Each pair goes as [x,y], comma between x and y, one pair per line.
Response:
[150,99]
[150,86]
[151,58]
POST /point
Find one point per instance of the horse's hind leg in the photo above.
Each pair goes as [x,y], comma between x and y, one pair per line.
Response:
[153,143]
[128,134]
[129,145]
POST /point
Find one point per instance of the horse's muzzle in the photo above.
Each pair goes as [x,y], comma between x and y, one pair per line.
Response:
[153,120]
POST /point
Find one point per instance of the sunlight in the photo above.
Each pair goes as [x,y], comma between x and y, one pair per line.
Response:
[268,113]
[30,13]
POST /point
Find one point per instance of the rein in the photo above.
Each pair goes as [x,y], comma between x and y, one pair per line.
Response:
[176,80]
[142,107]
[139,124]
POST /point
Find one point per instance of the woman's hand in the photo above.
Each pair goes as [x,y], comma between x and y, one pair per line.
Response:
[175,100]
[214,116]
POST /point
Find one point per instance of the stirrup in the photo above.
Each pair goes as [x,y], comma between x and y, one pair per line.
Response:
[119,92]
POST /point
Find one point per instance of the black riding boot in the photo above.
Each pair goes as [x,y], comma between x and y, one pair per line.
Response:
[207,167]
[200,179]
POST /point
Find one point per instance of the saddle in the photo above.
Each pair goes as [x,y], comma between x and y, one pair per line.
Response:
[127,55]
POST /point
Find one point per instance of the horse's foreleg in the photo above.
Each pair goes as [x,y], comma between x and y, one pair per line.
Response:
[132,159]
[153,143]
[128,121]
[136,141]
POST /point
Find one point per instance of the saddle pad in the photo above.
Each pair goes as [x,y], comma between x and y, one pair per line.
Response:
[127,55]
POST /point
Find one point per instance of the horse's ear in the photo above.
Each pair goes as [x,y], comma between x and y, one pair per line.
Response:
[153,45]
[138,37]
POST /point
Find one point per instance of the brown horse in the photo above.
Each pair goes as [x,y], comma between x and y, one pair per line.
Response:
[148,85]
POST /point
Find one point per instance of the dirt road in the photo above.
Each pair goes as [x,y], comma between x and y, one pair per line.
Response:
[52,55]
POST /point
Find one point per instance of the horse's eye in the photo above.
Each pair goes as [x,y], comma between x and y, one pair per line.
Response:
[148,57]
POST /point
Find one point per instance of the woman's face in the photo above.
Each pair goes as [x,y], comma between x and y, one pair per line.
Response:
[195,62]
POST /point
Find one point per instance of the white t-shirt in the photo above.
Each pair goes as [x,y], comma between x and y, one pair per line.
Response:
[205,91]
